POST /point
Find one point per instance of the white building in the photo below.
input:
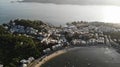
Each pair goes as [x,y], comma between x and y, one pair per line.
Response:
[47,50]
[24,63]
[1,65]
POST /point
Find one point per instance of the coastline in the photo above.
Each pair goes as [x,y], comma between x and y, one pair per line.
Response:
[39,62]
[51,56]
[47,58]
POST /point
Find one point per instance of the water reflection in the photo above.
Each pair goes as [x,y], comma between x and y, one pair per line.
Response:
[86,57]
[57,14]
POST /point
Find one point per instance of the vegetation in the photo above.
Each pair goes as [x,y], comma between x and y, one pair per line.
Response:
[36,24]
[3,30]
[13,48]
[114,35]
[95,23]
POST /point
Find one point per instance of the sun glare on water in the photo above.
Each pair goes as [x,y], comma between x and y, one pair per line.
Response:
[111,14]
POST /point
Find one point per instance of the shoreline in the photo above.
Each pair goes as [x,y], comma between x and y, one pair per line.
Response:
[54,54]
[47,58]
[39,62]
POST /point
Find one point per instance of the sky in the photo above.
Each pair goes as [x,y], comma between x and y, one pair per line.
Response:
[79,2]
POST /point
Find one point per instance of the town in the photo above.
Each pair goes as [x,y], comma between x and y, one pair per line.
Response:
[52,38]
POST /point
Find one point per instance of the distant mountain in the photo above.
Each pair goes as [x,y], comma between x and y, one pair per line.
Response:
[96,23]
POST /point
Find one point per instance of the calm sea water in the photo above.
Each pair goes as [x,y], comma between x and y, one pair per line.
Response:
[57,14]
[86,57]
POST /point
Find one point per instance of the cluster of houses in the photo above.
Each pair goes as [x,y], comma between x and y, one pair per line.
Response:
[25,62]
[107,29]
[96,36]
[21,29]
[71,29]
[55,35]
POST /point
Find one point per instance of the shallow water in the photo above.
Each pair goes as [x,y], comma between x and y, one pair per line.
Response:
[86,57]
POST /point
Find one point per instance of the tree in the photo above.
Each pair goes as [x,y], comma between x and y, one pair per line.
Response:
[15,48]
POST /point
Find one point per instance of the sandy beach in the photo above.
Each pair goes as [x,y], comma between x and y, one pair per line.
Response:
[47,58]
[57,53]
[38,62]
[82,56]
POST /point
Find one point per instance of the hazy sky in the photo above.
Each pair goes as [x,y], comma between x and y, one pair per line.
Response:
[79,2]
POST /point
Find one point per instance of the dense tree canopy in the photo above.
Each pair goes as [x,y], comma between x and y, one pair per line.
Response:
[13,48]
[36,24]
[16,47]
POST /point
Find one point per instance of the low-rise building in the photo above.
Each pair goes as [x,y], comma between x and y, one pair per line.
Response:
[47,50]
